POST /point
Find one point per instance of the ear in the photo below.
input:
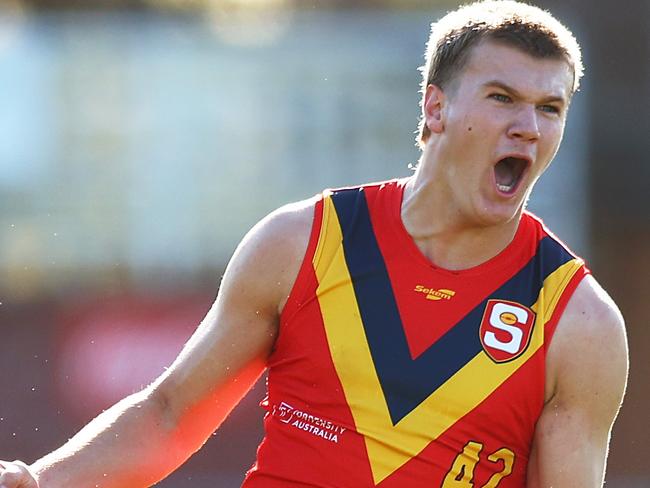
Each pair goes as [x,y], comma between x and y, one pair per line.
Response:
[434,102]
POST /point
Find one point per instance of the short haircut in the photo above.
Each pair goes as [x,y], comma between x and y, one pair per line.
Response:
[530,29]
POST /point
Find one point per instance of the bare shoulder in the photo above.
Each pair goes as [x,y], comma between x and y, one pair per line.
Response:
[592,323]
[270,255]
[592,315]
[289,225]
[588,357]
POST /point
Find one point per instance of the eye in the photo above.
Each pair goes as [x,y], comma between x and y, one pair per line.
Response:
[500,97]
[551,109]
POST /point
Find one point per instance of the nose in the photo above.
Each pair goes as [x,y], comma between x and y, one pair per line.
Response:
[525,126]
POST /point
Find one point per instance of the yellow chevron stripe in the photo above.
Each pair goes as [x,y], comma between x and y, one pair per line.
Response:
[388,446]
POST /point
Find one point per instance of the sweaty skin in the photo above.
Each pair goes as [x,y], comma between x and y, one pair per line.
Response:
[503,104]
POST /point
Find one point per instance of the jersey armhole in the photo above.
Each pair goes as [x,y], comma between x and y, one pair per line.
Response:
[300,288]
[567,293]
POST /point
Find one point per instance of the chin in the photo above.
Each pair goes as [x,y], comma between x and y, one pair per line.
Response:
[495,215]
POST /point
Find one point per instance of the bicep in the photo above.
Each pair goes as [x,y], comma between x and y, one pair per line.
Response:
[587,363]
[220,362]
[215,369]
[229,349]
[567,451]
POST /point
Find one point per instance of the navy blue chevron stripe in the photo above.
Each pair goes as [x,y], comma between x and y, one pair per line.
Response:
[406,382]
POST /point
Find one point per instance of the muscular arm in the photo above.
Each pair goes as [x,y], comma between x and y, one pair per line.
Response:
[587,373]
[143,438]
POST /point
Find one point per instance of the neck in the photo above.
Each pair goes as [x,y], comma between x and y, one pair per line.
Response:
[441,229]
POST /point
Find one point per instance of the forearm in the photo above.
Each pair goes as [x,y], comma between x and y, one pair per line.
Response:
[131,444]
[143,438]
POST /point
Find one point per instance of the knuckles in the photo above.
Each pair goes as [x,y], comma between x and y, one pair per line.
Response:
[16,474]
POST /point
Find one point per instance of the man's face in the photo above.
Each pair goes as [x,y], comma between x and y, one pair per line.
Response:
[499,126]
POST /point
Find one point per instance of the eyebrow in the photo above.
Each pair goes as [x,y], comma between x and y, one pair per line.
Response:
[514,92]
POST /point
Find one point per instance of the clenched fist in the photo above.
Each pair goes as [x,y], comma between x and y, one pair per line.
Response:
[16,475]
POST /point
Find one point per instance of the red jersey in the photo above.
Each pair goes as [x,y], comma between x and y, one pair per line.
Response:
[391,372]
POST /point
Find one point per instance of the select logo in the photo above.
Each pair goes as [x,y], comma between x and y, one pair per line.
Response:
[435,294]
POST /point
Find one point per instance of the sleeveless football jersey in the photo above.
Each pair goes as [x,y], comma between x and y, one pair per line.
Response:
[391,372]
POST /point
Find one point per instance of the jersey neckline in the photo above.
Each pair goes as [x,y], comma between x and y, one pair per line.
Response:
[507,256]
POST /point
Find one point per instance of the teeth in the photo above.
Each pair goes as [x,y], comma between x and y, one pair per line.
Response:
[504,188]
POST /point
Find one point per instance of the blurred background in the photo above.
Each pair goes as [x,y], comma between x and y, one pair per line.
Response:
[141,139]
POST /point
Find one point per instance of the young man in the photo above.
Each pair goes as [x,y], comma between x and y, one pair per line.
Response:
[426,331]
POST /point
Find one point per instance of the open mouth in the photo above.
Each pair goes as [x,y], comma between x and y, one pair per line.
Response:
[508,172]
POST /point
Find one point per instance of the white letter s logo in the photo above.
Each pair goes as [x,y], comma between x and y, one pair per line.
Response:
[504,317]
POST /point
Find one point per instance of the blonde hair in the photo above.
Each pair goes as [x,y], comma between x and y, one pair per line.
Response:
[525,27]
